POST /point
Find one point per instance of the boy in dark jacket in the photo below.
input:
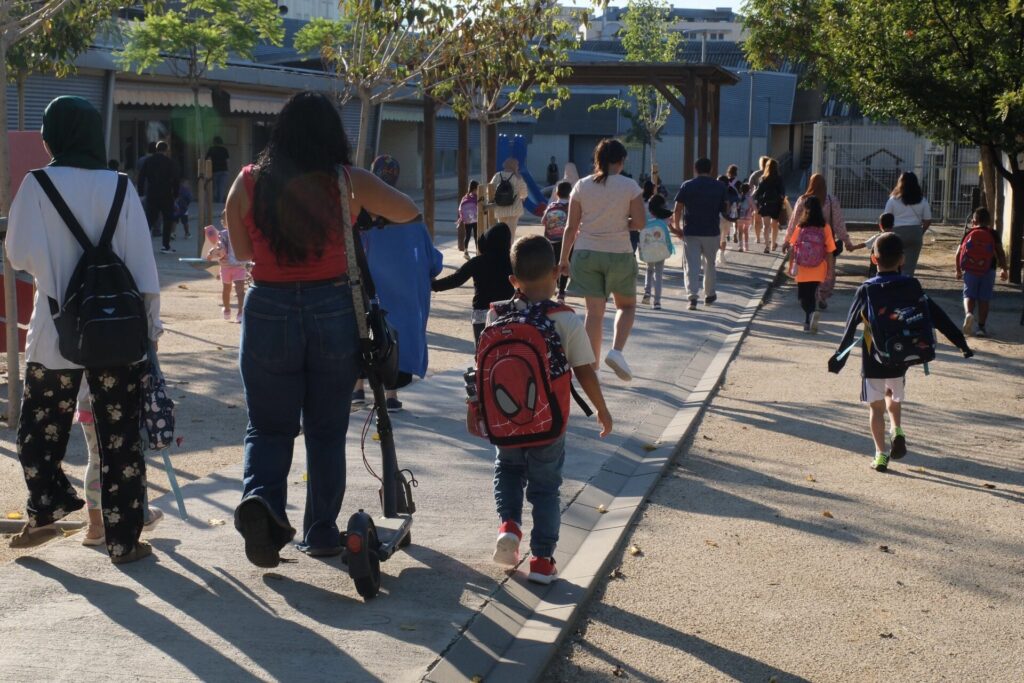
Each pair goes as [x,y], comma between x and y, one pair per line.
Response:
[883,386]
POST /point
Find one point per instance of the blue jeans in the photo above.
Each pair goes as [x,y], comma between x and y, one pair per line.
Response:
[299,360]
[539,471]
[220,184]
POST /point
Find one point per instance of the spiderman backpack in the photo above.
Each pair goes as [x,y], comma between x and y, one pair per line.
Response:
[978,251]
[523,378]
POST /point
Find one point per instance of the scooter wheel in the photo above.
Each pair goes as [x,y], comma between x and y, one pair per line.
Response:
[369,586]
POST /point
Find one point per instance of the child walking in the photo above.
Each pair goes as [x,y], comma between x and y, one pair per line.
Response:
[743,222]
[466,223]
[181,206]
[556,215]
[537,466]
[979,253]
[657,231]
[812,242]
[490,270]
[892,307]
[232,271]
[885,223]
[727,221]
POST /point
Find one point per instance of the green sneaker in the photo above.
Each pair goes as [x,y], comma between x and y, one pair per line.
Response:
[899,443]
[881,462]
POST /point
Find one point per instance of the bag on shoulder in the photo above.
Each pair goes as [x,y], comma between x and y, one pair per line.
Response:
[523,378]
[102,322]
[653,247]
[979,248]
[157,413]
[505,192]
[810,246]
[899,325]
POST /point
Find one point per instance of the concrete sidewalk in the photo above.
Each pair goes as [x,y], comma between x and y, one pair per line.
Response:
[200,611]
[773,553]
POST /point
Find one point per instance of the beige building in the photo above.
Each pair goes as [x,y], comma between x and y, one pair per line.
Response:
[694,24]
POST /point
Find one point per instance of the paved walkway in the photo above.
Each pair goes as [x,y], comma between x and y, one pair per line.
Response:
[200,611]
[773,553]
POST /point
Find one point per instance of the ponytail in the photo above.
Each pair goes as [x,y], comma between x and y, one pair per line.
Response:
[607,152]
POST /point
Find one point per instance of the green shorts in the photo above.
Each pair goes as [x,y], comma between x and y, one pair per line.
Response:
[598,274]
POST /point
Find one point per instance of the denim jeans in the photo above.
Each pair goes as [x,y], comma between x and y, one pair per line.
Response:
[539,471]
[299,361]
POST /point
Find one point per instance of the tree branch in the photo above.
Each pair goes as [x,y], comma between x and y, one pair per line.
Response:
[33,20]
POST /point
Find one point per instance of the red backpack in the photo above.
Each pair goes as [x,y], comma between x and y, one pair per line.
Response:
[523,378]
[977,251]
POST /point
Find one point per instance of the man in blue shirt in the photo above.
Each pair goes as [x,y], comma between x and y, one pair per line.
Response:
[699,203]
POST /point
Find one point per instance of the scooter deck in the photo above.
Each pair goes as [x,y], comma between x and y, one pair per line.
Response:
[391,531]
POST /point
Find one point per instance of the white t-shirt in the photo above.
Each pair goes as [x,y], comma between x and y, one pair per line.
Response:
[573,334]
[908,215]
[39,242]
[605,220]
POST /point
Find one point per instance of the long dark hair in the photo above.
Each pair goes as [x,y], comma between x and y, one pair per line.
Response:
[908,190]
[296,203]
[812,214]
[607,152]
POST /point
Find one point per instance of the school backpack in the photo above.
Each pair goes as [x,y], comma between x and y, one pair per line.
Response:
[505,193]
[654,247]
[555,218]
[899,331]
[977,252]
[102,322]
[810,246]
[523,378]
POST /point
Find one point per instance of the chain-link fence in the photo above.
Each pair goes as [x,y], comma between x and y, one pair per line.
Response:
[861,164]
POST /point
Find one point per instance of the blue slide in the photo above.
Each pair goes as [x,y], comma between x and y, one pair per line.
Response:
[514,146]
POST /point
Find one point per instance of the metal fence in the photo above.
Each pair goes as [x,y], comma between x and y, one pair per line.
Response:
[862,163]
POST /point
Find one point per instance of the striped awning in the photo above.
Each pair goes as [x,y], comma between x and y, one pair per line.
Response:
[158,95]
[257,103]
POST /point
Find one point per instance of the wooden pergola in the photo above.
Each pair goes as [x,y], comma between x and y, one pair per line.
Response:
[699,84]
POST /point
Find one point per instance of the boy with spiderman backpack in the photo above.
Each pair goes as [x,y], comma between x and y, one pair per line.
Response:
[976,259]
[519,400]
[899,321]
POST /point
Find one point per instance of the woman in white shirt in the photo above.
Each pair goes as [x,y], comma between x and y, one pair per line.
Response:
[603,209]
[509,215]
[40,242]
[913,217]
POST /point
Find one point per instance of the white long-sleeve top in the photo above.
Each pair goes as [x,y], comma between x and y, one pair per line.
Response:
[40,243]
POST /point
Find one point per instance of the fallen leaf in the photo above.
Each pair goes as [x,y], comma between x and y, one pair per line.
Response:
[376,436]
[650,447]
[602,509]
[886,635]
[617,574]
[305,476]
[884,548]
[407,627]
[810,477]
[635,550]
[828,514]
[13,515]
[231,406]
[988,486]
[706,437]
[182,286]
[710,543]
[477,679]
[216,522]
[919,470]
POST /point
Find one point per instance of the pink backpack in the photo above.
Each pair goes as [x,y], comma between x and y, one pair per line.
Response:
[810,246]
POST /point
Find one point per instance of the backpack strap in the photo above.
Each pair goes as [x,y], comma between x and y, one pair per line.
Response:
[115,211]
[62,208]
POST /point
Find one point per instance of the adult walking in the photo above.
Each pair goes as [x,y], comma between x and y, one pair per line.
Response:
[299,353]
[754,181]
[913,217]
[770,198]
[40,241]
[218,157]
[159,177]
[604,208]
[509,192]
[700,202]
[833,213]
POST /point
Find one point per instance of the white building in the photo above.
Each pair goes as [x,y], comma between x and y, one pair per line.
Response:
[311,9]
[694,24]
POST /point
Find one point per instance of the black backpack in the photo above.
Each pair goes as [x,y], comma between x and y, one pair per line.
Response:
[899,322]
[505,193]
[102,323]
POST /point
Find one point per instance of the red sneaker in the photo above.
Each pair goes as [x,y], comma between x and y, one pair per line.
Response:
[506,547]
[542,570]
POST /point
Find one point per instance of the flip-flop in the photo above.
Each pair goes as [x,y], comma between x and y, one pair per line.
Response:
[30,538]
[92,541]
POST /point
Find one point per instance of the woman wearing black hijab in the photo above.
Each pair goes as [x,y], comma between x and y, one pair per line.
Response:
[40,243]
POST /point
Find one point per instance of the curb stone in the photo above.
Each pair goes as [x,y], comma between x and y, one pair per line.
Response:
[513,638]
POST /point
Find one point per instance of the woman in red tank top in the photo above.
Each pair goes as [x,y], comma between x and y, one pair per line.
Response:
[299,348]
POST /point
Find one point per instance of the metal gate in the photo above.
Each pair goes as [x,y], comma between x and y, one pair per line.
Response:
[861,164]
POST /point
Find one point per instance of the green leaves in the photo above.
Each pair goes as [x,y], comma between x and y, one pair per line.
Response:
[55,44]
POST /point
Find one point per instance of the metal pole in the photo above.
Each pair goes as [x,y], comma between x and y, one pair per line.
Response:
[108,113]
[704,47]
[750,122]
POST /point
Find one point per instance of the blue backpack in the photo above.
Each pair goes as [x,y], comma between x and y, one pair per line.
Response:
[898,330]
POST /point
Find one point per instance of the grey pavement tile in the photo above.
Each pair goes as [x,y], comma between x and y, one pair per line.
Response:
[580,516]
[592,555]
[614,518]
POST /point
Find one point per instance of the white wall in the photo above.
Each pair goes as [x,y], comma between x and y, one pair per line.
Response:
[540,151]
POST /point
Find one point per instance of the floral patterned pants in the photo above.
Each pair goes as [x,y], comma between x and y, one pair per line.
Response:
[47,410]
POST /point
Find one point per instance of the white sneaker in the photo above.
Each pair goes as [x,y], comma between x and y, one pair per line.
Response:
[617,362]
[968,325]
[815,318]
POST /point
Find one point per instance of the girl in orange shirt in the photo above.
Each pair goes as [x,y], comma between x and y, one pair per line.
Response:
[812,243]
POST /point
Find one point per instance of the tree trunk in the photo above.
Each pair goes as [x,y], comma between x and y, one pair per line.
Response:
[365,106]
[10,281]
[492,150]
[429,138]
[22,76]
[989,180]
[463,156]
[1016,226]
[485,162]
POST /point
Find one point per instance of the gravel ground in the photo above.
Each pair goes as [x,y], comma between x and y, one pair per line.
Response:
[773,553]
